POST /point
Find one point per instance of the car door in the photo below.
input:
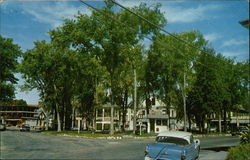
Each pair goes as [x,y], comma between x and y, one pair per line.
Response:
[191,151]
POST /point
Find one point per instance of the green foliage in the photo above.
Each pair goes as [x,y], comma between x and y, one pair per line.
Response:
[20,102]
[87,57]
[240,152]
[91,60]
[9,54]
[245,137]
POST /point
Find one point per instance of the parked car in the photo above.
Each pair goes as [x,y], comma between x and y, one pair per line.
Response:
[173,145]
[25,127]
[2,127]
[239,130]
[212,129]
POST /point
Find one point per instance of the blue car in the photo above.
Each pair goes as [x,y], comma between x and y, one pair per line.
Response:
[173,145]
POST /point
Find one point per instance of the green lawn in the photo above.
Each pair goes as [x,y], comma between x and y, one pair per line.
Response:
[94,135]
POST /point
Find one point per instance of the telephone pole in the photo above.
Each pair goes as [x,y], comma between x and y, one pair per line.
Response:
[184,101]
[134,118]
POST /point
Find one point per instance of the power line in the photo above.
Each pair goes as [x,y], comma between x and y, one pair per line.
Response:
[158,27]
[161,44]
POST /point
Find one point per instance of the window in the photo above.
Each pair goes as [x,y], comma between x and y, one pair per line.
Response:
[164,122]
[164,111]
[158,122]
[106,126]
[107,112]
[191,139]
[153,101]
[173,140]
[99,112]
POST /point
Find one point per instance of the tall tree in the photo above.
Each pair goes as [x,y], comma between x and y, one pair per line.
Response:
[9,54]
[108,42]
[168,61]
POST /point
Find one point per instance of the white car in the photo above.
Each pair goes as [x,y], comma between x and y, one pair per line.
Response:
[173,145]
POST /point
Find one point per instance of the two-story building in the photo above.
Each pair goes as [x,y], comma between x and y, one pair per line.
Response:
[160,118]
[15,115]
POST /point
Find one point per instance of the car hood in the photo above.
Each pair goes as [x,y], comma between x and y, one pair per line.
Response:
[165,150]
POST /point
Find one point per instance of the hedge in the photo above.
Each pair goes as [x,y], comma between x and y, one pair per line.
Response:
[241,152]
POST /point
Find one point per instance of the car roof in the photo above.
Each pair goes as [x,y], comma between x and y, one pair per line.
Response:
[177,134]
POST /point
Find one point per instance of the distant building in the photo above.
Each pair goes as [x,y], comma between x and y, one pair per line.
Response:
[103,117]
[160,118]
[17,115]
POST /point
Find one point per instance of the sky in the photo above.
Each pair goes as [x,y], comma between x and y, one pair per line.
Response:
[218,20]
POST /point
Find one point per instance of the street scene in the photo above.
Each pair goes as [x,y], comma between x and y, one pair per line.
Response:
[124,79]
[28,145]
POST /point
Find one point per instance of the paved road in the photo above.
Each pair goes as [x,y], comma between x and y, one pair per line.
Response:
[30,145]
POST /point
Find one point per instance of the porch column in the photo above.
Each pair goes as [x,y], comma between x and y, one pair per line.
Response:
[148,122]
[103,110]
[155,125]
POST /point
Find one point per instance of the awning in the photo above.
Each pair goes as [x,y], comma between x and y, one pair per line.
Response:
[161,116]
[13,119]
[245,121]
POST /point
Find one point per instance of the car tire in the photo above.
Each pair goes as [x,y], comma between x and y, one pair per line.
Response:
[197,158]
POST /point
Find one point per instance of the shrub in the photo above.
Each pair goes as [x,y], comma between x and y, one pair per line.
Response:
[240,152]
[245,137]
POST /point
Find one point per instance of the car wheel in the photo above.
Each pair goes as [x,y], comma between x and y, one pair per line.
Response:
[196,158]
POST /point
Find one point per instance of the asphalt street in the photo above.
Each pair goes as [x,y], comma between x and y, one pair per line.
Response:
[31,145]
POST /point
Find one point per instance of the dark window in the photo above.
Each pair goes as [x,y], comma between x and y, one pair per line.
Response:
[158,122]
[107,112]
[153,101]
[99,112]
[106,126]
[164,122]
[173,140]
[143,112]
[172,113]
[191,139]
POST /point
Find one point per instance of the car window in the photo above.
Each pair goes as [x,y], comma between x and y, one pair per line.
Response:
[173,140]
[191,139]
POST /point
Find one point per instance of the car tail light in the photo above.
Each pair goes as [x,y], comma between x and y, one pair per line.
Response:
[183,157]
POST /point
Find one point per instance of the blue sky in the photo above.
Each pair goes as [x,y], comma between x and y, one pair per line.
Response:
[29,21]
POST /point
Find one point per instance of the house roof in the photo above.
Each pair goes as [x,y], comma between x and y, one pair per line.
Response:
[105,106]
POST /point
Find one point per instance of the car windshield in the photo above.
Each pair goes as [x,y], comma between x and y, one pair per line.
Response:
[173,140]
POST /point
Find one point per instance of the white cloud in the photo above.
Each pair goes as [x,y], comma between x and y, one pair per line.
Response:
[187,15]
[177,14]
[233,42]
[212,37]
[53,13]
[130,3]
[236,54]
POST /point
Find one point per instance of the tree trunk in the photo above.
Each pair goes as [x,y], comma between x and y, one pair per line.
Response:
[219,120]
[124,110]
[225,120]
[58,112]
[58,119]
[112,108]
[189,122]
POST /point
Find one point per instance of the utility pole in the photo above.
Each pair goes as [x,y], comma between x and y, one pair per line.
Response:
[184,101]
[134,118]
